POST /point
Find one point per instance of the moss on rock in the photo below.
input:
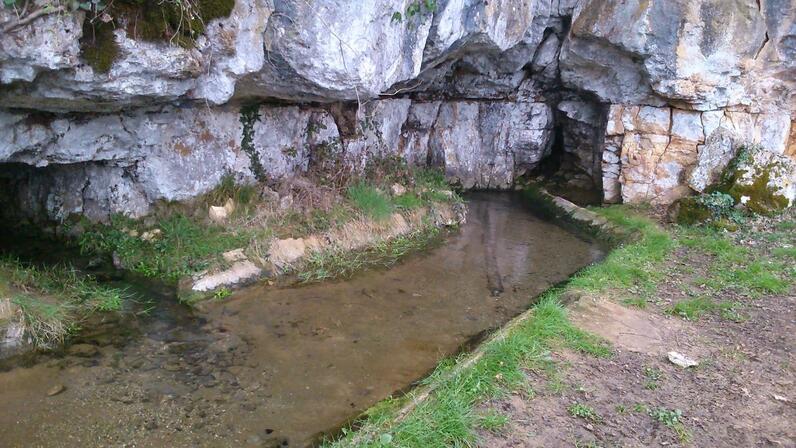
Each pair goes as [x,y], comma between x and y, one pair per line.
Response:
[749,182]
[691,211]
[148,20]
[759,196]
[98,46]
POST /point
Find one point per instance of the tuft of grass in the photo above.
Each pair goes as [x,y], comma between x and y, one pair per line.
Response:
[785,252]
[370,201]
[583,411]
[760,277]
[408,201]
[433,187]
[653,375]
[786,226]
[713,243]
[244,195]
[693,309]
[336,263]
[54,300]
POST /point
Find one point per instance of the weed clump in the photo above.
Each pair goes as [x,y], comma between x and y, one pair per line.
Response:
[370,200]
[185,246]
[580,410]
[53,301]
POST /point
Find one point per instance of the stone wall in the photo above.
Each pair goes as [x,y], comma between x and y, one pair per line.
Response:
[650,152]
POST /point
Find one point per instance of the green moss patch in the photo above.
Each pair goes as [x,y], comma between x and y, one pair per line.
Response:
[762,198]
[716,208]
[179,22]
[690,211]
[758,195]
[98,46]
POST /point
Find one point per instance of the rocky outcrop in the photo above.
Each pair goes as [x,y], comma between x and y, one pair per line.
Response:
[484,145]
[651,153]
[634,96]
[124,163]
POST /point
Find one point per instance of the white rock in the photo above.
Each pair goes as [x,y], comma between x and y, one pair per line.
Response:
[218,214]
[286,251]
[238,273]
[713,158]
[397,190]
[234,255]
[681,360]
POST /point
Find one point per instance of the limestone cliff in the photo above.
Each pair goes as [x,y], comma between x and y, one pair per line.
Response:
[101,115]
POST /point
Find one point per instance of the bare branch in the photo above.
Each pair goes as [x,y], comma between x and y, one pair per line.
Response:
[35,14]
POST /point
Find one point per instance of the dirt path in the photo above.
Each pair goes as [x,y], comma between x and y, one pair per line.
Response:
[742,393]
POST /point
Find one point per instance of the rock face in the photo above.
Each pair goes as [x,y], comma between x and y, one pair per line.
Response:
[646,100]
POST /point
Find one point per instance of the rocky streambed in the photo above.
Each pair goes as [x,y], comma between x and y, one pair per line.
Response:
[275,366]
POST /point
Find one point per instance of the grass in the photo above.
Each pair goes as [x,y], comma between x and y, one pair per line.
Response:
[671,419]
[337,263]
[370,201]
[54,301]
[785,252]
[243,195]
[408,201]
[492,421]
[184,247]
[637,302]
[693,309]
[630,264]
[653,376]
[737,268]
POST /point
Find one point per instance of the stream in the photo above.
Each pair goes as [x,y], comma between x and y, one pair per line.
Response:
[268,366]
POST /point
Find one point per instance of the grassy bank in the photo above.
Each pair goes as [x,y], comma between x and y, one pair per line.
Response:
[455,412]
[333,264]
[180,240]
[52,302]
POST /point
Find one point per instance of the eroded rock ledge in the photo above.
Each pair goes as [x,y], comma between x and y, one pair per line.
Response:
[628,94]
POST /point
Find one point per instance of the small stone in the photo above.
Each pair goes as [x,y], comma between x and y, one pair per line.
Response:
[286,201]
[217,214]
[781,398]
[221,214]
[55,390]
[234,255]
[681,360]
[150,235]
[398,190]
[117,261]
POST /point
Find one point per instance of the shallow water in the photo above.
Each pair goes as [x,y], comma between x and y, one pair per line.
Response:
[282,367]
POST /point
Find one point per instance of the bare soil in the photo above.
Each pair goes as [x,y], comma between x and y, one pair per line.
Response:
[742,394]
